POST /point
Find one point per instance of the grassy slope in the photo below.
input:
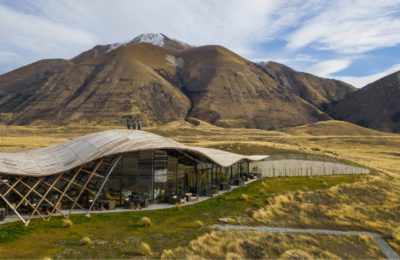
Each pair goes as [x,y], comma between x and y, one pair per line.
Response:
[332,127]
[121,231]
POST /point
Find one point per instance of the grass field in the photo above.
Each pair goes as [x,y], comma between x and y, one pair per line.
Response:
[118,235]
[365,203]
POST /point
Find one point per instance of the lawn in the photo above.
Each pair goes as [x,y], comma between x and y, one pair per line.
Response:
[118,235]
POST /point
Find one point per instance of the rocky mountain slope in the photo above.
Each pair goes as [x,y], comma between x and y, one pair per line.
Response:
[157,39]
[163,80]
[376,106]
[229,91]
[321,92]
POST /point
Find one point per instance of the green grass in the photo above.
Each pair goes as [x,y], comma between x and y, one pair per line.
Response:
[122,231]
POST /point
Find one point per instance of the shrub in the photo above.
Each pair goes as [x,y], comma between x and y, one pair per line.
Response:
[66,223]
[178,206]
[324,184]
[262,192]
[145,222]
[264,184]
[145,249]
[238,148]
[198,224]
[86,242]
[231,220]
[245,197]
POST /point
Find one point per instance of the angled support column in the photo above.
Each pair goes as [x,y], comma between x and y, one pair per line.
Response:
[11,207]
[65,191]
[102,185]
[68,197]
[19,194]
[40,195]
[44,196]
[27,194]
[84,187]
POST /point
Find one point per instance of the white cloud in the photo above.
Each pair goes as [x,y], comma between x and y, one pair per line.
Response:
[360,82]
[325,68]
[37,34]
[350,26]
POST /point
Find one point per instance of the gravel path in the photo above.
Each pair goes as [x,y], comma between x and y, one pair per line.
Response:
[383,245]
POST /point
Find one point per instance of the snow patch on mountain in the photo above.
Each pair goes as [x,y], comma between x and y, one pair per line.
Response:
[157,39]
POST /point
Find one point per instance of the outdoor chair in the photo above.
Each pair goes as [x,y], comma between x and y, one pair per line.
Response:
[191,197]
[176,199]
[2,214]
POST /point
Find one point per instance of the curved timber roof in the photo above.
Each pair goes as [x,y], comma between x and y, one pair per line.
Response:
[65,156]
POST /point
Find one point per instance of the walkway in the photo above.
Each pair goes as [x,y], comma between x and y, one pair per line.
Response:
[383,245]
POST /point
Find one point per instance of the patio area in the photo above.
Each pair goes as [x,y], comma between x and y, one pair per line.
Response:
[156,206]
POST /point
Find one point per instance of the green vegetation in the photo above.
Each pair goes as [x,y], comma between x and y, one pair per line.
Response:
[123,233]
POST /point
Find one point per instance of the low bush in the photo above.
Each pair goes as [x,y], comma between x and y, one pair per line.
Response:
[67,223]
[198,224]
[178,206]
[245,197]
[86,242]
[145,222]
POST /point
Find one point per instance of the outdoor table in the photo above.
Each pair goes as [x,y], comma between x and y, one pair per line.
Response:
[101,204]
[138,201]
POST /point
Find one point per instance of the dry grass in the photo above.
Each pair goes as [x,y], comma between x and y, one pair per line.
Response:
[231,220]
[371,204]
[198,224]
[86,242]
[145,222]
[244,197]
[262,245]
[178,206]
[67,223]
[262,192]
[145,249]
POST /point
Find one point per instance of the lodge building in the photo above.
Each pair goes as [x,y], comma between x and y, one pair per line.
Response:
[118,166]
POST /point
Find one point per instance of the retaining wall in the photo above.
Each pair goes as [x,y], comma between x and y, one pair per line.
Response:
[282,168]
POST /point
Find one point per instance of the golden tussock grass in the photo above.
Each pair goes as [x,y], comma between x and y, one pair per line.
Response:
[67,223]
[265,245]
[231,220]
[86,242]
[46,258]
[244,197]
[264,185]
[371,204]
[178,206]
[198,224]
[262,192]
[145,222]
[145,249]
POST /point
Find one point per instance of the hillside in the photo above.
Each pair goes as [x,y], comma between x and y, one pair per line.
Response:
[375,106]
[321,92]
[229,91]
[331,128]
[106,89]
[157,39]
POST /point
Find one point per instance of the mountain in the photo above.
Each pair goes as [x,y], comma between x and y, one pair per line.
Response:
[157,39]
[156,77]
[375,106]
[229,91]
[321,92]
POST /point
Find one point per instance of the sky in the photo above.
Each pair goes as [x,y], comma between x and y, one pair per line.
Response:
[354,41]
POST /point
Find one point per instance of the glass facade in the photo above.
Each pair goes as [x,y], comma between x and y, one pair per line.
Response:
[152,174]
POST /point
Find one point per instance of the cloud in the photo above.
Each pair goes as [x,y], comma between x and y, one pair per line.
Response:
[37,34]
[325,68]
[360,82]
[346,26]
